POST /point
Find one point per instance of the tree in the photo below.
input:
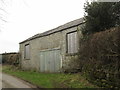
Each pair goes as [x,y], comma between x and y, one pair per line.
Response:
[100,16]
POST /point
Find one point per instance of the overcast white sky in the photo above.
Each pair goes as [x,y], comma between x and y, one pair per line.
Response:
[26,18]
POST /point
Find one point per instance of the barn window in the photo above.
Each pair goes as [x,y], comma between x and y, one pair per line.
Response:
[27,51]
[72,42]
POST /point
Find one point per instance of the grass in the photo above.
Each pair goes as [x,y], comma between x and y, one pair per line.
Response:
[49,80]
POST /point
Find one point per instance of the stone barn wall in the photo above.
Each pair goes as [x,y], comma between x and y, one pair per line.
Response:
[48,42]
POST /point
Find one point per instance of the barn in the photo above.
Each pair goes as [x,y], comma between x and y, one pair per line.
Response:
[53,50]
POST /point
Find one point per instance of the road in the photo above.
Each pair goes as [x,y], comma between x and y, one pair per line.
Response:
[8,81]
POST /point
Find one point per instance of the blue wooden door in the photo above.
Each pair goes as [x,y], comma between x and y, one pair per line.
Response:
[50,61]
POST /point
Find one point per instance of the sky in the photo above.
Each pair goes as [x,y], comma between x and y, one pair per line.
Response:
[25,18]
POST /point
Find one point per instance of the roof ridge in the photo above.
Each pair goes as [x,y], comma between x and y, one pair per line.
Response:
[57,29]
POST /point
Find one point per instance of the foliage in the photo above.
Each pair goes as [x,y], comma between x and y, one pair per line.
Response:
[100,16]
[99,57]
[10,58]
[49,80]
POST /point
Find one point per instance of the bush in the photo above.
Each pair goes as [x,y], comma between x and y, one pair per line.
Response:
[10,58]
[99,56]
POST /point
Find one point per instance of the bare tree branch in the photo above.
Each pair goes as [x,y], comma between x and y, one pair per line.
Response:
[1,18]
[2,12]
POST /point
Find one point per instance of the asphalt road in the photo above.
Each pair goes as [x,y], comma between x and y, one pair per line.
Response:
[8,81]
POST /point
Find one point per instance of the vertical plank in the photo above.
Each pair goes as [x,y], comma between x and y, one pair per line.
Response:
[76,43]
[72,42]
[45,60]
[69,43]
[50,61]
[41,62]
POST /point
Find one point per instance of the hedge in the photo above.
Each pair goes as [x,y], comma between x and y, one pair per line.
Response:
[100,58]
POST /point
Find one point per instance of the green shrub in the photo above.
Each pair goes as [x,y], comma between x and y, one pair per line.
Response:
[99,57]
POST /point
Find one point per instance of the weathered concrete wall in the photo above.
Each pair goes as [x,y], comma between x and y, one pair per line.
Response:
[55,40]
[68,60]
[36,45]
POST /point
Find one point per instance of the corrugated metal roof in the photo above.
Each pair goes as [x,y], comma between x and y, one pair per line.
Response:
[58,29]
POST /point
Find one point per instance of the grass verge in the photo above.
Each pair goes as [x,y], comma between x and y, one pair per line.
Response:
[49,80]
